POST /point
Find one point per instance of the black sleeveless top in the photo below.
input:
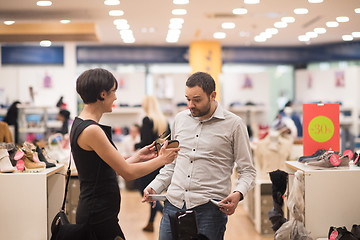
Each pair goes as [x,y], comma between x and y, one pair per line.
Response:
[99,199]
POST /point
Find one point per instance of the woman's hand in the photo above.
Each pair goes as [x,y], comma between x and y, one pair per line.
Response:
[169,154]
[147,153]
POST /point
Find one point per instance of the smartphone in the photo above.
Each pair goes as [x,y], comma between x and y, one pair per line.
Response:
[216,202]
[157,197]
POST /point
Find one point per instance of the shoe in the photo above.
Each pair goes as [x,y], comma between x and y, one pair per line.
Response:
[314,157]
[29,162]
[340,233]
[12,149]
[355,159]
[355,230]
[43,159]
[149,227]
[330,159]
[5,164]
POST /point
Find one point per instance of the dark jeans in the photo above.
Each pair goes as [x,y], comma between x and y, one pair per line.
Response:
[211,221]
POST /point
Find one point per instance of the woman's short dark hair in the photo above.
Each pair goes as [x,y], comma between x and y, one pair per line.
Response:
[203,80]
[92,82]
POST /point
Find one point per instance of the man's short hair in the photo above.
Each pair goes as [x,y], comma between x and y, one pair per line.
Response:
[203,80]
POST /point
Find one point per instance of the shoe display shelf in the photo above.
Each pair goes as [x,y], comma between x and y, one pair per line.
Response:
[36,120]
[29,202]
[258,202]
[331,196]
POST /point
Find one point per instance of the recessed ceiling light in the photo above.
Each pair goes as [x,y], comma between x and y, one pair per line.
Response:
[357,10]
[280,24]
[219,35]
[120,21]
[272,31]
[228,25]
[288,19]
[266,35]
[259,39]
[251,1]
[9,22]
[44,3]
[177,20]
[65,21]
[111,2]
[342,19]
[303,38]
[45,43]
[123,26]
[181,2]
[301,11]
[244,34]
[179,11]
[320,30]
[240,11]
[355,34]
[332,24]
[347,37]
[175,26]
[315,1]
[116,13]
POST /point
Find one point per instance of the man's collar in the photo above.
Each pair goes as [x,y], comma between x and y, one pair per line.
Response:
[219,113]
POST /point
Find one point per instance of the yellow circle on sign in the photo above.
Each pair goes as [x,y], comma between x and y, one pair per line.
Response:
[321,129]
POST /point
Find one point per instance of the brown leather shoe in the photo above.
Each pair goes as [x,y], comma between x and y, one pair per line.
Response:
[149,227]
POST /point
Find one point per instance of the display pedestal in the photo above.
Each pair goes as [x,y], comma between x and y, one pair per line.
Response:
[29,202]
[331,197]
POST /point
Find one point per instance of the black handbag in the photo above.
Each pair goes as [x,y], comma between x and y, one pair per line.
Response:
[184,226]
[62,229]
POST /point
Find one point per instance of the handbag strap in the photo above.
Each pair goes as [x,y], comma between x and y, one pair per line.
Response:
[68,174]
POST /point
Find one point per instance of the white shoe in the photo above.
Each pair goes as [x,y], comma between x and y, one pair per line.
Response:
[5,164]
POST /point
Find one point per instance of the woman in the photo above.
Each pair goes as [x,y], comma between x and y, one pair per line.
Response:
[97,159]
[153,125]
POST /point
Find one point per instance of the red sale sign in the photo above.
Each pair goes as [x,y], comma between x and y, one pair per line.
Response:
[321,127]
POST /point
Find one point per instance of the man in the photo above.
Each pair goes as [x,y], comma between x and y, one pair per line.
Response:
[211,140]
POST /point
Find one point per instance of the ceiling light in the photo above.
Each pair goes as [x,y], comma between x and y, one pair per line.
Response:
[357,10]
[120,21]
[65,21]
[111,2]
[332,24]
[9,22]
[122,26]
[219,35]
[342,19]
[179,11]
[175,26]
[126,33]
[288,19]
[240,11]
[44,3]
[175,32]
[315,1]
[228,25]
[311,34]
[347,38]
[177,20]
[45,43]
[116,13]
[272,31]
[259,39]
[303,38]
[244,34]
[251,1]
[301,11]
[356,34]
[171,39]
[280,24]
[320,30]
[265,35]
[181,2]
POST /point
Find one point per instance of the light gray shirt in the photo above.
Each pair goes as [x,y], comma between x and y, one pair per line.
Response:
[208,151]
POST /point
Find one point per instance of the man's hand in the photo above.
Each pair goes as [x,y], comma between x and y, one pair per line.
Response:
[230,203]
[146,198]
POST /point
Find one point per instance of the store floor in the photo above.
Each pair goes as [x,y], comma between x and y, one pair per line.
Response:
[134,216]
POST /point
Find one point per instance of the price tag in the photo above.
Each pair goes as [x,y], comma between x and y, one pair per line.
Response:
[18,155]
[321,127]
[348,153]
[20,165]
[333,235]
[335,160]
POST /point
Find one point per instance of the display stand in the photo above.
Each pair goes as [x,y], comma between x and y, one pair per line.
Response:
[29,202]
[331,197]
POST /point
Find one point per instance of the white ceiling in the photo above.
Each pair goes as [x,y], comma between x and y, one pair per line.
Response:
[204,17]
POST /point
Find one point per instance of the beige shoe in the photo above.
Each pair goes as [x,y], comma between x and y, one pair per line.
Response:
[29,162]
[5,164]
